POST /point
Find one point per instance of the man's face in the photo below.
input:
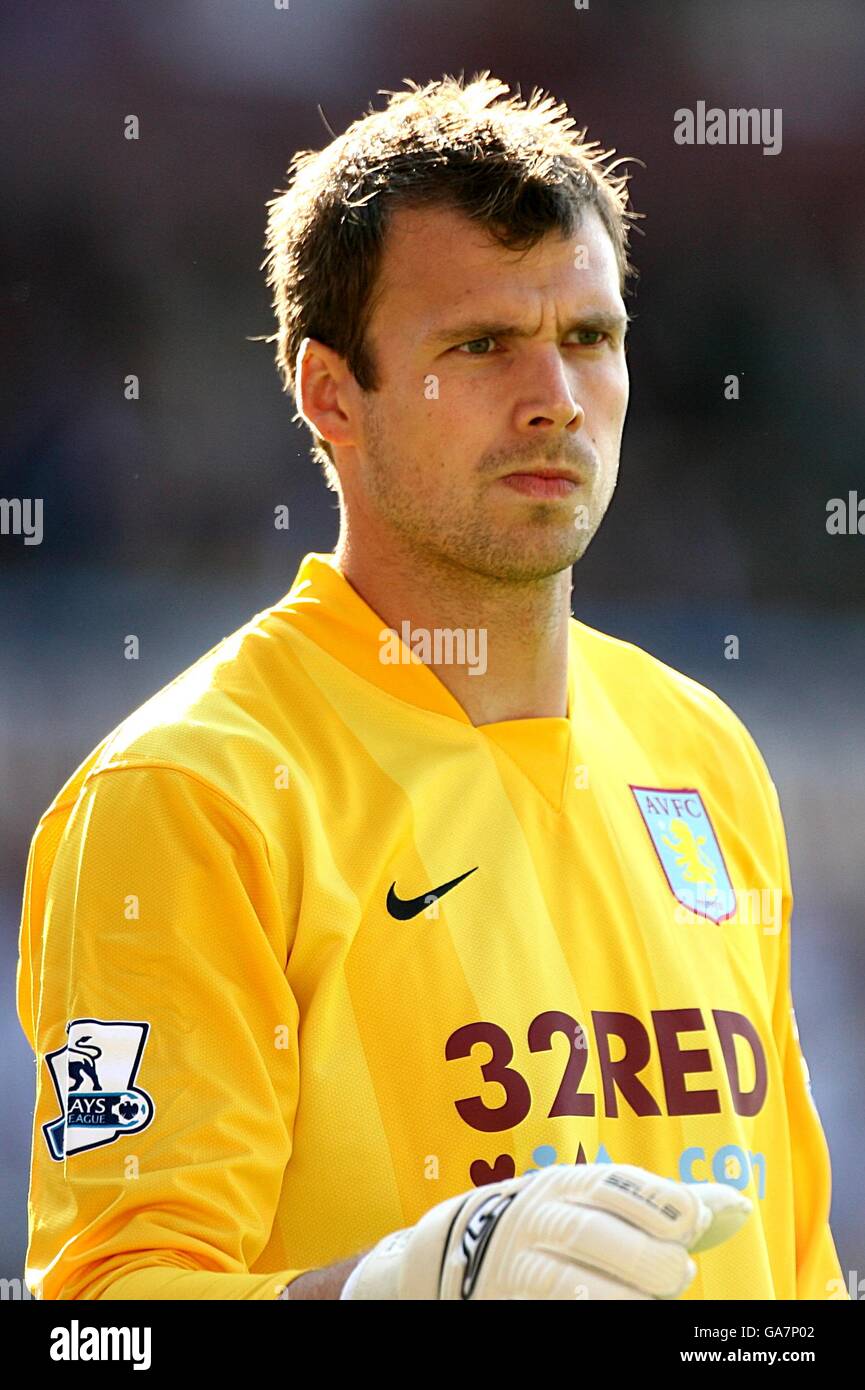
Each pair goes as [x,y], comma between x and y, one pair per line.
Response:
[491,362]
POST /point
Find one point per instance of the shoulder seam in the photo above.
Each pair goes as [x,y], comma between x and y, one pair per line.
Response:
[163,765]
[671,673]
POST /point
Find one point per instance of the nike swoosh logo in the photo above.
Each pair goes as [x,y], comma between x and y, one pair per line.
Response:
[405,908]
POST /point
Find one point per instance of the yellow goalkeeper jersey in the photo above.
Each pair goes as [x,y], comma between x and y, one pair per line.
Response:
[304,952]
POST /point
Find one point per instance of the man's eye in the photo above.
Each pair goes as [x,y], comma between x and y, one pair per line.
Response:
[472,343]
[596,334]
[586,337]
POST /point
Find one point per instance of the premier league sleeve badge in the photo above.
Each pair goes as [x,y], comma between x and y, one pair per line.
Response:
[94,1077]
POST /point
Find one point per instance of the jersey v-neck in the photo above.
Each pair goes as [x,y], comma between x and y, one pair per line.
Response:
[329,611]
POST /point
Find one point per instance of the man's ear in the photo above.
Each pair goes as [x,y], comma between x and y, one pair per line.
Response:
[323,392]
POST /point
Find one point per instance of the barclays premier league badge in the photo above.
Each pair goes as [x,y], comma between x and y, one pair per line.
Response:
[687,847]
[94,1076]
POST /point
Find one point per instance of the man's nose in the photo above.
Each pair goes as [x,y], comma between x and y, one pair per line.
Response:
[548,397]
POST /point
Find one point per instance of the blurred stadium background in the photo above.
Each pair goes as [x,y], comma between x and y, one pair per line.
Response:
[142,257]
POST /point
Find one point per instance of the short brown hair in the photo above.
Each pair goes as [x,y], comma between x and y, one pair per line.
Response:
[519,168]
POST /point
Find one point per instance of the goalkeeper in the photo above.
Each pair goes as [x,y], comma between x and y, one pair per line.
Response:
[409,920]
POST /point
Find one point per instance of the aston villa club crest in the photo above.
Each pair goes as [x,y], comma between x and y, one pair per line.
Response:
[94,1077]
[687,847]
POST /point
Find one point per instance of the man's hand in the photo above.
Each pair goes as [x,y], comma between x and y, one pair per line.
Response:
[593,1231]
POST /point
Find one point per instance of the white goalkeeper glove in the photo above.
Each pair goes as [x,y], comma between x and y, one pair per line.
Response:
[592,1231]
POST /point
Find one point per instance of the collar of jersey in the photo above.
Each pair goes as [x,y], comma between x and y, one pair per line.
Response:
[323,606]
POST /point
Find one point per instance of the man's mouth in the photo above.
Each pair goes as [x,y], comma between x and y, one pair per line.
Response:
[543,482]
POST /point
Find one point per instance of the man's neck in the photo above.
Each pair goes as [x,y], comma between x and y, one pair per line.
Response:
[515,649]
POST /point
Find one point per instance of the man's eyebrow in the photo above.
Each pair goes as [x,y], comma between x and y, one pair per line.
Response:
[601,320]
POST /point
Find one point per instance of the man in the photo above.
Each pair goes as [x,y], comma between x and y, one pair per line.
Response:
[400,948]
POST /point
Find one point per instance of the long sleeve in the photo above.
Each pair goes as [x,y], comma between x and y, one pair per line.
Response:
[152,988]
[818,1271]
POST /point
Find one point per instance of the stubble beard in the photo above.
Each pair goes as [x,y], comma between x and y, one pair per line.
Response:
[448,533]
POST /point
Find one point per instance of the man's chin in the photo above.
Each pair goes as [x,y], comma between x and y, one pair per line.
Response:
[526,564]
[552,554]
